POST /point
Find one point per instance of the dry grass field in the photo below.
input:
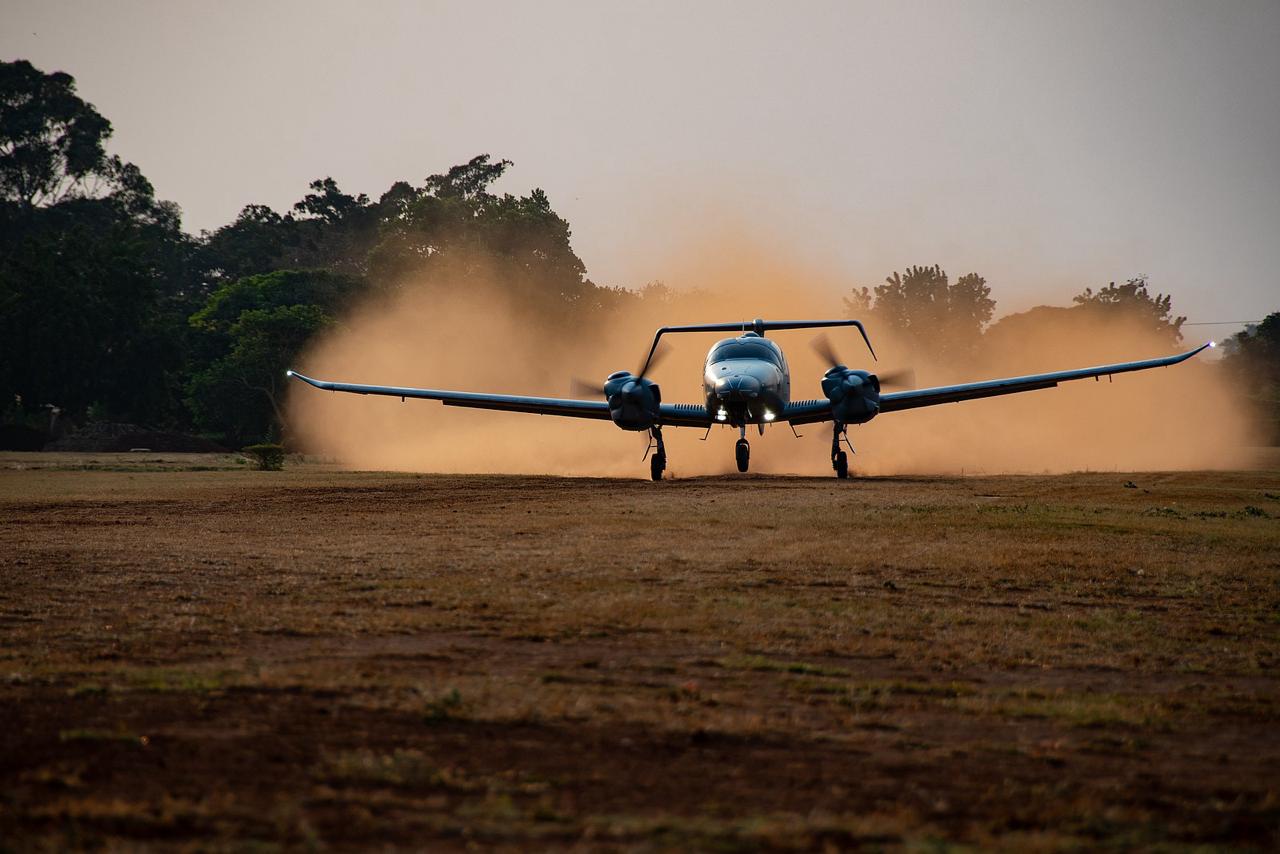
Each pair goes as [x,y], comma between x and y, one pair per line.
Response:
[197,655]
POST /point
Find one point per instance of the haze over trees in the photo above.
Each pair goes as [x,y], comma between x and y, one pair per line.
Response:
[1134,299]
[110,311]
[927,310]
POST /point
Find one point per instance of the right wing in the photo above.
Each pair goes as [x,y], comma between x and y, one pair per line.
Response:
[814,411]
[673,414]
[900,400]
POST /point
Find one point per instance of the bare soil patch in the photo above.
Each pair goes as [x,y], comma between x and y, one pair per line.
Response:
[192,653]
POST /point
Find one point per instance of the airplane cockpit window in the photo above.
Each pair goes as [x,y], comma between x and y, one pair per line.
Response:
[739,349]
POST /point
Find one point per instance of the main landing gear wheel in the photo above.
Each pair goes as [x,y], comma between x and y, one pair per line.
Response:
[841,464]
[742,452]
[839,459]
[657,464]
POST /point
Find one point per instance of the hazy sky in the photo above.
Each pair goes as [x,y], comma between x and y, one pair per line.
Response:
[1047,146]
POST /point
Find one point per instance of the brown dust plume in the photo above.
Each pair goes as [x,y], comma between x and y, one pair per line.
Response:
[475,338]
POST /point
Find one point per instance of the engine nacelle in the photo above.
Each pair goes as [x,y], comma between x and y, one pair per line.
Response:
[633,401]
[854,395]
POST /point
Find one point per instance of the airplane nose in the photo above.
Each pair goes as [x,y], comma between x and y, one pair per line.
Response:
[738,387]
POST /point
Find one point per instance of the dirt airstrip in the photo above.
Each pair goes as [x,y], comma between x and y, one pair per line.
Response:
[197,655]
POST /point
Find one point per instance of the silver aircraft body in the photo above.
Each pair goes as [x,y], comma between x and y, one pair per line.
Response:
[746,382]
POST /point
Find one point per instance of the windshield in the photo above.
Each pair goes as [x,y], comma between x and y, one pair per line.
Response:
[739,349]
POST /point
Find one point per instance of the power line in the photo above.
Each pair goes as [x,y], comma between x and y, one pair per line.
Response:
[1222,323]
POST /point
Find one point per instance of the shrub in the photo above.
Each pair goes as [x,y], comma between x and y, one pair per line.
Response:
[268,457]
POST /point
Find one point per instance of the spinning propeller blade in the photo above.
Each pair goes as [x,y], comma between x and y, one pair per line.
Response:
[583,388]
[656,355]
[823,347]
[903,378]
[586,388]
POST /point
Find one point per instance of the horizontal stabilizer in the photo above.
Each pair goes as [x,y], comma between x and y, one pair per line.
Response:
[759,327]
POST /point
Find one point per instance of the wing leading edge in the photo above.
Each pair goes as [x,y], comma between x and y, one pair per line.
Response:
[811,411]
[673,415]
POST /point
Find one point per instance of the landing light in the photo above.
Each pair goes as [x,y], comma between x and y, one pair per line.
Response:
[721,415]
[1213,344]
[288,373]
[768,416]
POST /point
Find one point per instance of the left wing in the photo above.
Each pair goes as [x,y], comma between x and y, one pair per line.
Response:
[673,414]
[810,411]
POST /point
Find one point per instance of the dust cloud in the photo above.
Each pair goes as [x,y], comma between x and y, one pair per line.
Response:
[478,338]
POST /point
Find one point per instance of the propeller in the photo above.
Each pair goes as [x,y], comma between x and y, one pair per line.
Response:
[826,350]
[905,377]
[656,355]
[659,351]
[586,387]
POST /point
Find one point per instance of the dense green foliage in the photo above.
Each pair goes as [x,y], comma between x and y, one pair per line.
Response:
[250,330]
[108,310]
[94,271]
[1253,357]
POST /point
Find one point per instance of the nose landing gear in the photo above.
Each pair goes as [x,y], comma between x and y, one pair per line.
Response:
[742,451]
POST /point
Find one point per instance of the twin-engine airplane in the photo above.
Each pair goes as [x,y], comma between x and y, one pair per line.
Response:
[746,381]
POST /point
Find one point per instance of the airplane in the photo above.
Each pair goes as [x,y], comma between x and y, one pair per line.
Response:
[745,382]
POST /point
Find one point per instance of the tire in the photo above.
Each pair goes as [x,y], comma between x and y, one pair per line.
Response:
[743,454]
[657,464]
[842,465]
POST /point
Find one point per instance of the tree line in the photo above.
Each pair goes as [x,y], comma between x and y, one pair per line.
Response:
[110,311]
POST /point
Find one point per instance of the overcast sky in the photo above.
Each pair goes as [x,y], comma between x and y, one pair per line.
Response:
[1047,146]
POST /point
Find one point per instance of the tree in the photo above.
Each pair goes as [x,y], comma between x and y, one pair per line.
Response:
[1253,360]
[1256,351]
[239,394]
[224,308]
[256,241]
[52,143]
[326,229]
[1132,299]
[932,315]
[327,203]
[249,332]
[469,181]
[94,270]
[453,231]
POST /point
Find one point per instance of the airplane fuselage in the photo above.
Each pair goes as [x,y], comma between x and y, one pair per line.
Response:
[746,381]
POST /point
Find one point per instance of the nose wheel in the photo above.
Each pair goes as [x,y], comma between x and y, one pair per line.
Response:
[742,453]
